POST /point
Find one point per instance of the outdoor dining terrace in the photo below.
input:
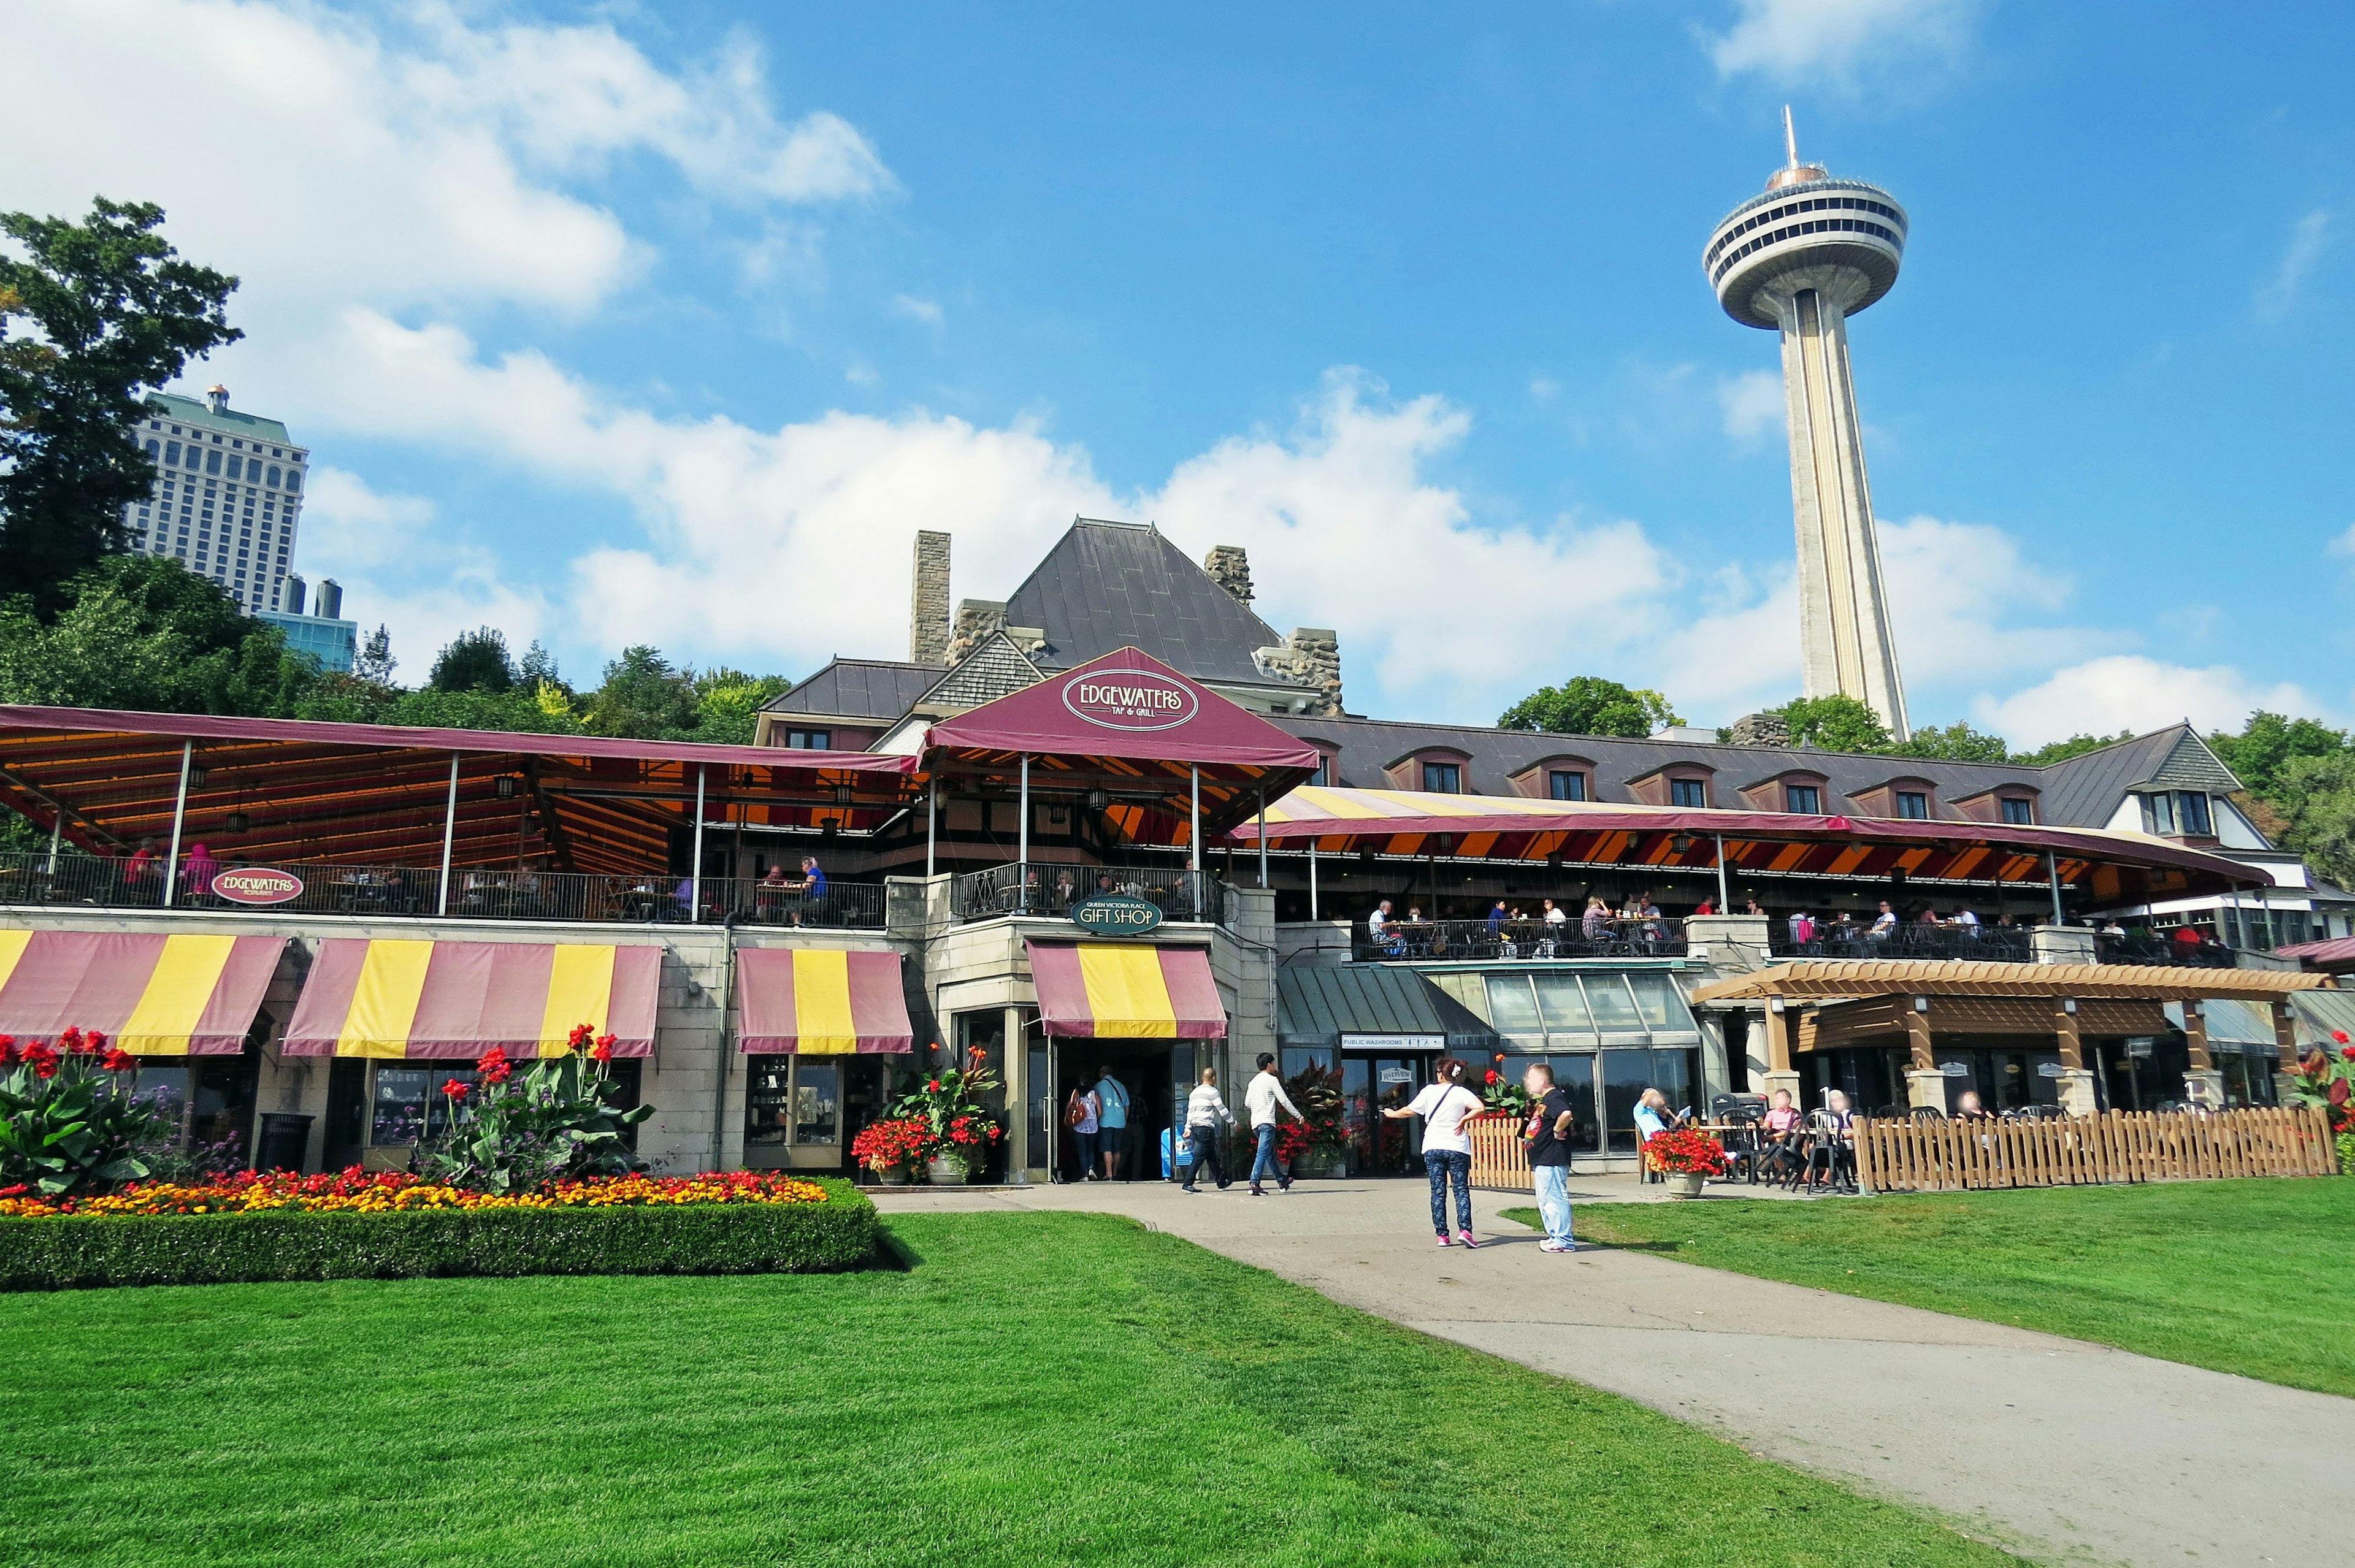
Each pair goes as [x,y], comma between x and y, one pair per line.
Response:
[1051,888]
[1484,940]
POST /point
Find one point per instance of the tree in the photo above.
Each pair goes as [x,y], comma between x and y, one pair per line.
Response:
[2266,744]
[1836,723]
[1590,705]
[2316,796]
[644,697]
[113,310]
[374,661]
[474,661]
[1958,742]
[141,631]
[2075,746]
[726,701]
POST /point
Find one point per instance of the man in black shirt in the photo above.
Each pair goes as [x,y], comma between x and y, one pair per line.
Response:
[1547,1134]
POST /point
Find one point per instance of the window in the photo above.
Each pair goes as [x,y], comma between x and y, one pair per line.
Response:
[810,740]
[2192,811]
[172,452]
[1688,793]
[1912,803]
[2159,815]
[212,462]
[409,1104]
[294,479]
[1807,800]
[1443,778]
[151,449]
[273,479]
[1564,784]
[1324,774]
[2019,811]
[236,467]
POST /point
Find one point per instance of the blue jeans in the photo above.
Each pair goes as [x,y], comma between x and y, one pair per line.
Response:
[1442,1164]
[1553,1201]
[1263,1162]
[1087,1142]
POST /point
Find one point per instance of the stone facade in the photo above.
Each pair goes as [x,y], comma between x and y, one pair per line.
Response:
[976,620]
[1229,568]
[928,607]
[1310,657]
[1760,730]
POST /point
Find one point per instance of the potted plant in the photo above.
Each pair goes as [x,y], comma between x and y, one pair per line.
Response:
[959,1131]
[1319,1144]
[892,1148]
[1499,1092]
[1686,1158]
[2326,1081]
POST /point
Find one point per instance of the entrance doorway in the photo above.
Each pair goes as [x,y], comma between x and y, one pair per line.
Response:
[1157,1075]
[1370,1086]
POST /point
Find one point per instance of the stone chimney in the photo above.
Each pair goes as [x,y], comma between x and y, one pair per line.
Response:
[1310,658]
[928,604]
[976,620]
[1759,730]
[1229,568]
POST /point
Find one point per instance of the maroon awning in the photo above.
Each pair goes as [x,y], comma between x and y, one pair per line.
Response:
[1119,990]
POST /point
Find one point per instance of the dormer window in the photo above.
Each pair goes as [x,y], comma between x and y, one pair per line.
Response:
[1443,778]
[810,740]
[2018,810]
[1807,800]
[2173,814]
[1913,804]
[1565,784]
[1688,793]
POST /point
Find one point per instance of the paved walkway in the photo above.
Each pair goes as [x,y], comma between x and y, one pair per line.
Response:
[2064,1451]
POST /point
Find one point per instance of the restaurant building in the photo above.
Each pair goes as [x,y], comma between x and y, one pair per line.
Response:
[1114,821]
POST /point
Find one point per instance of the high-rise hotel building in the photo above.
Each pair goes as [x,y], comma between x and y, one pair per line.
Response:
[228,492]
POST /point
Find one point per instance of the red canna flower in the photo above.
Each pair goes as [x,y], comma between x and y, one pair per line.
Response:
[603,1049]
[7,1049]
[2338,1036]
[456,1088]
[97,1039]
[119,1060]
[494,1066]
[41,1057]
[2347,1052]
[1495,1076]
[579,1037]
[74,1043]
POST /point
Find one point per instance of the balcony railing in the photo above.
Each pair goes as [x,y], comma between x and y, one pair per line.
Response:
[300,889]
[1482,941]
[1984,944]
[1045,889]
[2206,954]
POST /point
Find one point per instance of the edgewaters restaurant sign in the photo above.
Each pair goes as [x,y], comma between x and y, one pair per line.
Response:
[256,885]
[1115,914]
[1130,700]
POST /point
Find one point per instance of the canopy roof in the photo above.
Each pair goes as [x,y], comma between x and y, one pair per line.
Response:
[1324,1005]
[1831,978]
[1127,724]
[377,794]
[2335,956]
[457,1000]
[2110,866]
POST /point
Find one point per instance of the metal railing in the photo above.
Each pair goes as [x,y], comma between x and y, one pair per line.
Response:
[1051,888]
[2205,954]
[1484,941]
[1983,943]
[300,888]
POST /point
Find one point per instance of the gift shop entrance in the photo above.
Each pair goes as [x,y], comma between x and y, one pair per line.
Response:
[1153,1075]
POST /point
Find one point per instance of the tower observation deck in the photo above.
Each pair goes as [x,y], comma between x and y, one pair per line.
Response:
[1801,258]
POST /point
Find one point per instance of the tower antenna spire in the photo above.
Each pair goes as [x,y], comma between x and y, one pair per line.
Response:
[1790,140]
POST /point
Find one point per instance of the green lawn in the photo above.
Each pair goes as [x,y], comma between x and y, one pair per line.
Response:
[2251,1277]
[1038,1389]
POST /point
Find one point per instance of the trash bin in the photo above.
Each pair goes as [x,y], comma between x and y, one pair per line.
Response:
[283,1138]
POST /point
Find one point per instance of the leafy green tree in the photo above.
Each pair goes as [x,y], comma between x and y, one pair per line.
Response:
[2053,752]
[1590,705]
[2268,742]
[1958,742]
[727,703]
[644,697]
[113,310]
[1837,723]
[374,660]
[137,631]
[474,661]
[538,668]
[2316,797]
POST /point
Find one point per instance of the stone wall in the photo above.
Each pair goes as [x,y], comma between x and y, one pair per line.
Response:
[1310,657]
[976,620]
[1229,568]
[928,605]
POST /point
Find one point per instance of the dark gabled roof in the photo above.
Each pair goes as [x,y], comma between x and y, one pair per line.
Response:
[994,669]
[881,690]
[1112,585]
[1315,1006]
[2088,785]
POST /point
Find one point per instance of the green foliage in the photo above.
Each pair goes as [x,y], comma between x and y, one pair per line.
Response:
[1837,723]
[1590,705]
[474,661]
[79,1249]
[728,700]
[113,310]
[373,660]
[556,1123]
[2316,797]
[2262,752]
[69,1126]
[644,697]
[1958,742]
[2053,752]
[135,631]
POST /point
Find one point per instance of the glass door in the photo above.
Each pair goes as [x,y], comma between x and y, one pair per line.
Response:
[1370,1086]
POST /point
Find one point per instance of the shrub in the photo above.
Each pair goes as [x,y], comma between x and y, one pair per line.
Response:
[96,1249]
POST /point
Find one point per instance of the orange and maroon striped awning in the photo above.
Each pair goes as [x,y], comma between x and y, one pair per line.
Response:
[191,995]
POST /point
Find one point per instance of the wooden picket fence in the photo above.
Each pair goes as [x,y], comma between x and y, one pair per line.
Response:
[1941,1154]
[1501,1161]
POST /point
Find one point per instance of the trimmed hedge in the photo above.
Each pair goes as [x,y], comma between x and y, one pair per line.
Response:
[71,1251]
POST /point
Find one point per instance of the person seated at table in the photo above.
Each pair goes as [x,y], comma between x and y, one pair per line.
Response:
[1654,1116]
[1802,928]
[1968,1109]
[1497,918]
[1414,914]
[1707,906]
[1554,915]
[1835,1107]
[139,872]
[1750,906]
[1380,932]
[1965,921]
[1927,917]
[682,898]
[196,874]
[1103,881]
[2188,937]
[1594,925]
[812,886]
[1649,913]
[1885,922]
[1064,888]
[394,888]
[1782,1117]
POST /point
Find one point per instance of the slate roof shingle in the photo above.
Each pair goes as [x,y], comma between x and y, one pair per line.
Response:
[1114,585]
[881,690]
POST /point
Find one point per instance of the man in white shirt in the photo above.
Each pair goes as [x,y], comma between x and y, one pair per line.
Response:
[1885,921]
[1207,1118]
[1378,926]
[1261,1098]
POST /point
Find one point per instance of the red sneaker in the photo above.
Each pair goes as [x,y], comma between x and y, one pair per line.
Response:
[1445,1240]
[1469,1241]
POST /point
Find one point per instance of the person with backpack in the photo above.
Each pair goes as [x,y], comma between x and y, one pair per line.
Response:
[1207,1119]
[1112,1120]
[1081,1113]
[1443,1104]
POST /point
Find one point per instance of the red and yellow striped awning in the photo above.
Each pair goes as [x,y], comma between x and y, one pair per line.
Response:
[456,1000]
[152,995]
[1112,990]
[817,1001]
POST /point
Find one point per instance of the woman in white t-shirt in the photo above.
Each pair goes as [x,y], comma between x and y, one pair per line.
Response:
[1446,1147]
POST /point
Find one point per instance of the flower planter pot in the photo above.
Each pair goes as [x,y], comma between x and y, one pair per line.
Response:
[1685,1183]
[945,1170]
[1321,1165]
[893,1176]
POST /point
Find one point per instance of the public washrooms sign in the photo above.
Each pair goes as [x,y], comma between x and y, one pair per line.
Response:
[1130,700]
[1394,1044]
[256,885]
[1115,914]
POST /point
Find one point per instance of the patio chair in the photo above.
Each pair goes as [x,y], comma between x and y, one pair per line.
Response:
[1781,1161]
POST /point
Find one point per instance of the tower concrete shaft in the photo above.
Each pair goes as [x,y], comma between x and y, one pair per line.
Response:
[1845,645]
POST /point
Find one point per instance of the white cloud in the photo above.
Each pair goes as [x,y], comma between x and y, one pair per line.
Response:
[2309,238]
[2345,543]
[1804,42]
[926,310]
[347,524]
[2128,691]
[1753,405]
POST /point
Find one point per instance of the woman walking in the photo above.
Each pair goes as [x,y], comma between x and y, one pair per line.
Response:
[1446,1147]
[1080,1115]
[1207,1118]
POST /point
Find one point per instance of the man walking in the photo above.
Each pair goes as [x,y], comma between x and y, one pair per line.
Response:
[1112,1120]
[1207,1118]
[1547,1132]
[1264,1094]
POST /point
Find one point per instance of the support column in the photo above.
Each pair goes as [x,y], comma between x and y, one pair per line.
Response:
[932,822]
[2285,1051]
[1022,853]
[449,832]
[1924,1084]
[1312,879]
[1780,1072]
[1194,820]
[695,857]
[1724,896]
[2052,879]
[2204,1085]
[2076,1083]
[1263,839]
[1019,1094]
[179,817]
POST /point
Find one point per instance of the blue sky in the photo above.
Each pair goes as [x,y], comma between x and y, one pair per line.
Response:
[674,323]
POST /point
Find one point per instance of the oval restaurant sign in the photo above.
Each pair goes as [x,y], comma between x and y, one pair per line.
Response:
[1130,700]
[1115,914]
[256,885]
